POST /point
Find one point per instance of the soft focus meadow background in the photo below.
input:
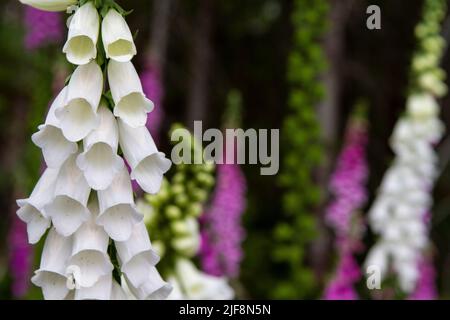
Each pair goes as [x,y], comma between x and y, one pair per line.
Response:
[198,59]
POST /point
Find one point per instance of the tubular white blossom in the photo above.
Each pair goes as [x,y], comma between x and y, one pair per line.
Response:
[118,214]
[136,255]
[81,45]
[78,117]
[50,5]
[31,210]
[117,292]
[99,161]
[68,210]
[55,147]
[131,103]
[89,252]
[200,286]
[51,274]
[117,38]
[153,288]
[101,290]
[147,164]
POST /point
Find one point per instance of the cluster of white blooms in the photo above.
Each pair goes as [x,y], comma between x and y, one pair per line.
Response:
[85,196]
[401,210]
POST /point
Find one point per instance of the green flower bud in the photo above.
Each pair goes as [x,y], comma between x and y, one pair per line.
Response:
[179,227]
[173,212]
[195,210]
[178,189]
[200,195]
[178,177]
[182,200]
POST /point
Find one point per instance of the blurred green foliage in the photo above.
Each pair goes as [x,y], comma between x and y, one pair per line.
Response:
[302,153]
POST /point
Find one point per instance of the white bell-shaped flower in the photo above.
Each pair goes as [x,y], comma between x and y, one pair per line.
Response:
[117,38]
[51,275]
[153,288]
[55,147]
[118,214]
[200,286]
[99,161]
[31,210]
[136,255]
[50,5]
[68,210]
[89,253]
[78,117]
[81,45]
[131,104]
[117,292]
[101,290]
[147,164]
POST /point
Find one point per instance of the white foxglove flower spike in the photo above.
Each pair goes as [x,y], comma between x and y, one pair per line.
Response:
[51,274]
[55,147]
[50,5]
[147,164]
[136,255]
[78,117]
[117,38]
[118,214]
[81,45]
[31,210]
[68,210]
[101,290]
[131,103]
[89,252]
[99,161]
[154,287]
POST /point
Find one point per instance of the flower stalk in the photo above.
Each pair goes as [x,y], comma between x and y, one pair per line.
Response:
[97,246]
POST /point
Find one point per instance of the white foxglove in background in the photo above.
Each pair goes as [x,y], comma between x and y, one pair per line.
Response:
[50,5]
[147,164]
[399,214]
[81,45]
[55,147]
[132,105]
[117,38]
